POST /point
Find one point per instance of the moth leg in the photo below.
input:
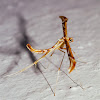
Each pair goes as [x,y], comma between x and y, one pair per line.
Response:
[46,80]
[59,69]
[62,58]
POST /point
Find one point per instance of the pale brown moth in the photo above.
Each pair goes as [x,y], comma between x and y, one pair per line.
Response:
[59,45]
[64,41]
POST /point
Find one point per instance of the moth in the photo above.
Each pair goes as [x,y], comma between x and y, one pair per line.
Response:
[59,45]
[62,44]
[64,41]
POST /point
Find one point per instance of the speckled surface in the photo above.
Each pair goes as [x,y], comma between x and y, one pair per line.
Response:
[37,22]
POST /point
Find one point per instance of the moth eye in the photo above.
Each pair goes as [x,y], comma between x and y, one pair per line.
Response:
[71,39]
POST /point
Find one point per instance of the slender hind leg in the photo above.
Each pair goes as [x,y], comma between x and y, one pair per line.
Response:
[46,79]
[59,70]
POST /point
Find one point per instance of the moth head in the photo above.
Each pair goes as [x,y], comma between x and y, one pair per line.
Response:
[71,39]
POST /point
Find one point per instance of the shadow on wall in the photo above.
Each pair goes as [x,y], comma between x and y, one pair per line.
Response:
[25,40]
[22,41]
